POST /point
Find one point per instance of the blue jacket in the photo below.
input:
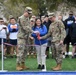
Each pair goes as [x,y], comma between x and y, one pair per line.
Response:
[11,30]
[43,31]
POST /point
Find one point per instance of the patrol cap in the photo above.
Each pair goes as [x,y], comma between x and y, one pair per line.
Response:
[1,20]
[51,15]
[29,10]
[71,13]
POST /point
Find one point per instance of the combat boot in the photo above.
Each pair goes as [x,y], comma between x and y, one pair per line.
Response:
[18,67]
[23,66]
[54,67]
[57,68]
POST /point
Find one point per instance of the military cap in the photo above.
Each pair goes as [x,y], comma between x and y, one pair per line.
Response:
[1,19]
[51,15]
[29,10]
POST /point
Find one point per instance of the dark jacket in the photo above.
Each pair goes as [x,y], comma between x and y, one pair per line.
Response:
[47,24]
[73,30]
[69,21]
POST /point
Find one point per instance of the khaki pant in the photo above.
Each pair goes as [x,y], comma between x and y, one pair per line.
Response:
[22,50]
[41,57]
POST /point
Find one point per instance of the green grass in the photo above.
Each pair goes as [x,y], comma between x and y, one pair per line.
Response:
[67,65]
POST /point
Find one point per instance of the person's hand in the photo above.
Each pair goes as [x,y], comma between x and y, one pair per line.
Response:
[13,27]
[61,42]
[39,38]
[36,32]
[31,37]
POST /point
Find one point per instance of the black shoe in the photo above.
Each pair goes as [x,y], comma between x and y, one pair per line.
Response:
[39,66]
[66,56]
[43,67]
[75,56]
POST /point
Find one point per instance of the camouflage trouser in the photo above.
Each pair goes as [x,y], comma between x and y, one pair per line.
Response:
[22,50]
[57,52]
[31,49]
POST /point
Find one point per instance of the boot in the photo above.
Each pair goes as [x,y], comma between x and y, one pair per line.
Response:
[54,67]
[57,68]
[23,66]
[18,67]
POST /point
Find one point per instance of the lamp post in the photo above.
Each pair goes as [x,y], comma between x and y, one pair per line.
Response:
[2,49]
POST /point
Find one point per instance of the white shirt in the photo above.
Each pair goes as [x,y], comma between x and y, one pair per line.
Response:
[3,32]
[13,35]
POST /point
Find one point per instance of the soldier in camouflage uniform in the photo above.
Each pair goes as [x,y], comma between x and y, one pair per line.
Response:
[57,32]
[23,35]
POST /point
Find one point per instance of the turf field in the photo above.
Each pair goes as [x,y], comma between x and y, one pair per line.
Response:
[68,64]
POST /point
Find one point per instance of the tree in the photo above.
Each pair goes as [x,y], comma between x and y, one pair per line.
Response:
[16,7]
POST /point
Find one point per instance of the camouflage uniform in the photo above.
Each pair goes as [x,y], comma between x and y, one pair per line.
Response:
[57,32]
[23,35]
